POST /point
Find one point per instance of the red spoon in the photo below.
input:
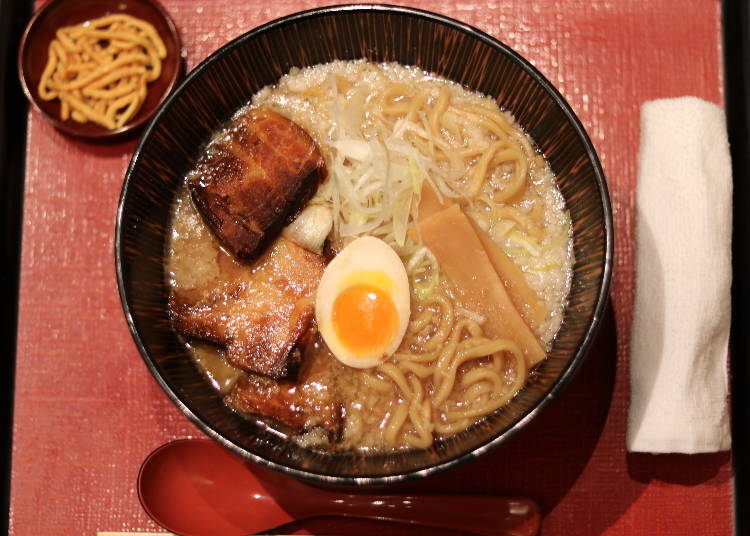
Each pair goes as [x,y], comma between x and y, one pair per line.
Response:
[195,487]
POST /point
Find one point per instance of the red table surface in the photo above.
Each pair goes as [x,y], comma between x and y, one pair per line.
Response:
[87,410]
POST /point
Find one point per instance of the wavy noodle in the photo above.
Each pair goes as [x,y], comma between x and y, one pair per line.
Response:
[438,110]
[397,420]
[440,395]
[399,378]
[377,384]
[445,321]
[417,369]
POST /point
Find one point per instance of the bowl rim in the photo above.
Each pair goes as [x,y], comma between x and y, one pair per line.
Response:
[103,134]
[602,299]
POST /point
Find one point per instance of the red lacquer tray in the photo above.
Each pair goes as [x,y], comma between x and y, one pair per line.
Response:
[87,411]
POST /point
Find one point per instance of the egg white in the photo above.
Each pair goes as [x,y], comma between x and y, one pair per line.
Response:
[367,260]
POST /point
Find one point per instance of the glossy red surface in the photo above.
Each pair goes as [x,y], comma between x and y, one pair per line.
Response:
[198,488]
[87,411]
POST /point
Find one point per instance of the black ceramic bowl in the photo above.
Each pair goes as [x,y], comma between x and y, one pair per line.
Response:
[226,81]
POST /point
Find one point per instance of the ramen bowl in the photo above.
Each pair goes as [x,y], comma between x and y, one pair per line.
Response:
[226,81]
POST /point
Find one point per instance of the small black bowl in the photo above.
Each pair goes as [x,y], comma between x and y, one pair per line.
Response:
[226,81]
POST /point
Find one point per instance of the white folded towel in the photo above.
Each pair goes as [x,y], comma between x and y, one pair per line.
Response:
[681,314]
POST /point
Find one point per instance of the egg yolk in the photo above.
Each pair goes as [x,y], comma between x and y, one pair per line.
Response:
[364,318]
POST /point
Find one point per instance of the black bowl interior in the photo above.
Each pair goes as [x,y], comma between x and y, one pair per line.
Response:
[225,82]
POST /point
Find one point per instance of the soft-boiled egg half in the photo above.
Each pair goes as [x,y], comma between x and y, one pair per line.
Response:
[362,306]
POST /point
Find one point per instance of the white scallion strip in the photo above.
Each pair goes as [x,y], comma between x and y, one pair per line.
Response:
[525,241]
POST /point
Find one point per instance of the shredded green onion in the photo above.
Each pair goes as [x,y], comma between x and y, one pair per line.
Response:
[563,236]
[526,242]
[499,230]
[423,272]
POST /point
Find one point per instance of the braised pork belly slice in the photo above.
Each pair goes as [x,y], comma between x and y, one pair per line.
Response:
[257,313]
[300,405]
[255,180]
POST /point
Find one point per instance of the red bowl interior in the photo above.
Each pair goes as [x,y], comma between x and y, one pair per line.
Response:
[32,57]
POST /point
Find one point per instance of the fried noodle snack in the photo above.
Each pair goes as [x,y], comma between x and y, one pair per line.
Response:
[100,69]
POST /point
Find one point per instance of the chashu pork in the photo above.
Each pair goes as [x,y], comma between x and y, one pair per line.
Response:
[253,181]
[256,313]
[301,405]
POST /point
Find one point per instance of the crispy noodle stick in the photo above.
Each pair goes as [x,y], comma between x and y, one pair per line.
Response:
[100,69]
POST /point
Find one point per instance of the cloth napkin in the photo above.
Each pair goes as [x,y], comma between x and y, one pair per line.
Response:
[681,314]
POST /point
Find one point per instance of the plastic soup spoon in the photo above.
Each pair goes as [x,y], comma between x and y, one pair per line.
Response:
[195,487]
